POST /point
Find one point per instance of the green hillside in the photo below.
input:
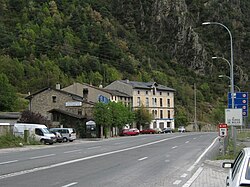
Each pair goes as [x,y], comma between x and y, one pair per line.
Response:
[93,41]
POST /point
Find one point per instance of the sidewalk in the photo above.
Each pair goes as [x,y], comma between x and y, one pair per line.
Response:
[210,174]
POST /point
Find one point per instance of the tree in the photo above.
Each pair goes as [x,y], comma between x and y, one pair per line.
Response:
[142,117]
[30,117]
[102,116]
[8,97]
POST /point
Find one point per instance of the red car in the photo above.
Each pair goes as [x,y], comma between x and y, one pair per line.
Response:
[148,131]
[130,132]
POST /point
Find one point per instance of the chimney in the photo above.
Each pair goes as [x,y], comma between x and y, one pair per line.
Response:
[58,86]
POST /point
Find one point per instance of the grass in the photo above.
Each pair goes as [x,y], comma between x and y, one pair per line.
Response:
[9,141]
[241,137]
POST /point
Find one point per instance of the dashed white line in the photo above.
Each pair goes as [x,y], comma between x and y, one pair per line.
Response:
[187,142]
[142,158]
[184,175]
[94,147]
[76,150]
[71,184]
[18,173]
[194,138]
[8,162]
[43,156]
[177,182]
[174,147]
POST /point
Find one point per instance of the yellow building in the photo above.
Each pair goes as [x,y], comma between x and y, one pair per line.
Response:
[158,99]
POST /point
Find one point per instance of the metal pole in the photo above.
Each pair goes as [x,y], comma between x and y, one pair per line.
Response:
[231,72]
[195,111]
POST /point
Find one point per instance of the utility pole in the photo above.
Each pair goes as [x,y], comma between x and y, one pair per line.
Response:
[195,116]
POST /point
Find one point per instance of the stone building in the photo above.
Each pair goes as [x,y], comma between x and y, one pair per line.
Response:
[158,99]
[61,108]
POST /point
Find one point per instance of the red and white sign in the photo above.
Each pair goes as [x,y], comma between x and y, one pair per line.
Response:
[222,129]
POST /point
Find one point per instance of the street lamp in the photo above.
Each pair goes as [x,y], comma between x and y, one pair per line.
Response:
[221,76]
[231,64]
[215,57]
[231,72]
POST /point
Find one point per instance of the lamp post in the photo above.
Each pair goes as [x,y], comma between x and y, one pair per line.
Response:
[232,63]
[215,57]
[231,73]
[221,76]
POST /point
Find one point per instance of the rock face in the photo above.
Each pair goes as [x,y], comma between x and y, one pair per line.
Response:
[175,26]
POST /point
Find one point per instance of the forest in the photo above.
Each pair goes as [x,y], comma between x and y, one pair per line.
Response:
[97,42]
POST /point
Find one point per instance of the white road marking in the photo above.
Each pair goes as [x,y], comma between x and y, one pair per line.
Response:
[119,143]
[167,160]
[177,182]
[82,159]
[174,147]
[184,175]
[94,147]
[187,142]
[8,162]
[42,156]
[71,184]
[77,150]
[142,158]
[200,157]
[192,179]
[194,138]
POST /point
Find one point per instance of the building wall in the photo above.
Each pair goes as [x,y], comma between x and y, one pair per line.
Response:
[139,98]
[50,99]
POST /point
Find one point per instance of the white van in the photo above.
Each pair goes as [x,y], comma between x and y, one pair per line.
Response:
[38,131]
[69,134]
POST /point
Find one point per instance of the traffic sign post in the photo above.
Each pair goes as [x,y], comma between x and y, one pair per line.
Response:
[222,129]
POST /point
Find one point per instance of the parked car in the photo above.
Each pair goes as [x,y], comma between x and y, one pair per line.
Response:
[158,130]
[69,134]
[130,132]
[181,129]
[59,137]
[38,131]
[239,173]
[167,130]
[148,131]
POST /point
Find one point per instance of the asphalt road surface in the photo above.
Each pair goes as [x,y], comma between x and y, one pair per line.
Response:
[155,160]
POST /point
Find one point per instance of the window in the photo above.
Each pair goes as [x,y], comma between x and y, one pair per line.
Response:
[79,111]
[56,117]
[138,92]
[147,102]
[155,113]
[161,114]
[168,113]
[153,91]
[168,93]
[161,102]
[160,93]
[138,101]
[146,92]
[54,99]
[168,102]
[155,104]
[237,164]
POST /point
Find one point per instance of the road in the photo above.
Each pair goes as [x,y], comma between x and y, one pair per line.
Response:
[144,160]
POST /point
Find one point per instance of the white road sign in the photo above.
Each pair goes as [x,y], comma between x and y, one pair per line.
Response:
[233,117]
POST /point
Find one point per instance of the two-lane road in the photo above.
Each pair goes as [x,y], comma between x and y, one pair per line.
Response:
[144,160]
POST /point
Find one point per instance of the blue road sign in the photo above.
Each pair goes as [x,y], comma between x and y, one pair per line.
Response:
[240,101]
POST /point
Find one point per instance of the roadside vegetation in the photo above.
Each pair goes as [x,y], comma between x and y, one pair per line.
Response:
[9,141]
[242,136]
